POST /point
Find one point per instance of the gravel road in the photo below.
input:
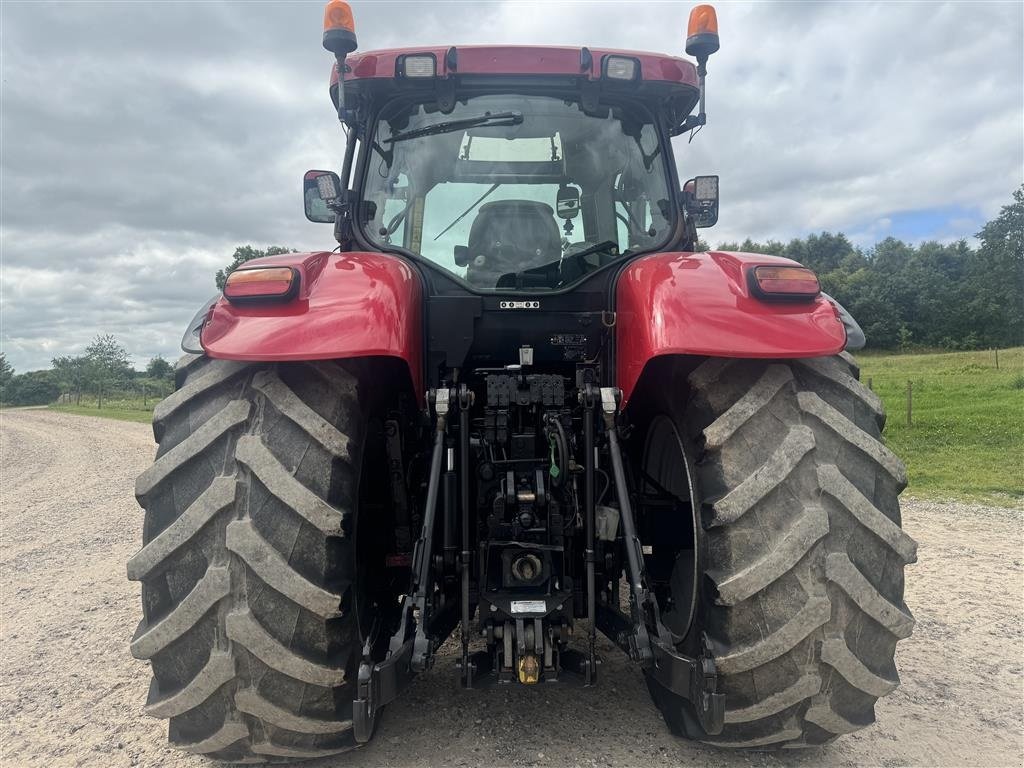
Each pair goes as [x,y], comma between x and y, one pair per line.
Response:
[71,695]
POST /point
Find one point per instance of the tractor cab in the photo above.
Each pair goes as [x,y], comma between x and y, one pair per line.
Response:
[528,189]
[514,178]
[513,169]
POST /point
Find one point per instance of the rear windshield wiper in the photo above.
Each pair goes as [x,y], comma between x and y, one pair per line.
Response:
[606,246]
[487,118]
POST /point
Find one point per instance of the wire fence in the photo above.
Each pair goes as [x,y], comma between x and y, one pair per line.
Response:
[140,395]
[946,382]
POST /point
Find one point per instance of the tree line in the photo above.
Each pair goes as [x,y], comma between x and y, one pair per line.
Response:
[929,295]
[103,372]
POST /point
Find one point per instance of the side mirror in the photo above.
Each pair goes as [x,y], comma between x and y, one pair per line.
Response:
[700,198]
[321,190]
[567,203]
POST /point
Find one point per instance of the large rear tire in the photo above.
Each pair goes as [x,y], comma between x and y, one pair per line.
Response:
[251,606]
[802,555]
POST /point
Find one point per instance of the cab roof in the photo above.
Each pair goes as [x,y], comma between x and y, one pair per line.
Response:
[518,60]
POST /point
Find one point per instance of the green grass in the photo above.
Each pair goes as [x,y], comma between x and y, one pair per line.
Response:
[125,409]
[966,440]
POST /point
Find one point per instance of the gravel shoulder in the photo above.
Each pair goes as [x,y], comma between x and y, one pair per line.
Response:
[71,695]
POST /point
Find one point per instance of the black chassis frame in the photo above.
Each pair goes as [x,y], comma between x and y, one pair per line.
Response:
[464,329]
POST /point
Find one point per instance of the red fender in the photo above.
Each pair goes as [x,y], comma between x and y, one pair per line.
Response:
[348,305]
[700,304]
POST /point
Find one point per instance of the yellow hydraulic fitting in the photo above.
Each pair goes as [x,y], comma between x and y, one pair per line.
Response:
[529,669]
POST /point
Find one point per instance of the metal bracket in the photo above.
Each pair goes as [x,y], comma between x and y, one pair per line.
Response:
[609,401]
[377,686]
[441,400]
[445,89]
[694,679]
[344,216]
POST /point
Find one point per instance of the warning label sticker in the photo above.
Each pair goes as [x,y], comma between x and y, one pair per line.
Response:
[529,606]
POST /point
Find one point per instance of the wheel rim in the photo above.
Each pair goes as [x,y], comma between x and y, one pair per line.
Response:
[664,455]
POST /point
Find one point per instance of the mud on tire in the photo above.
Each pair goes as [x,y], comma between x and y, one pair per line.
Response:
[247,567]
[803,553]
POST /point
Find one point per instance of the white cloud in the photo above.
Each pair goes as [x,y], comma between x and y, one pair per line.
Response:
[141,142]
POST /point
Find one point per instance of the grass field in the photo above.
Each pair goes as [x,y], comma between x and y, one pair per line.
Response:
[125,409]
[966,439]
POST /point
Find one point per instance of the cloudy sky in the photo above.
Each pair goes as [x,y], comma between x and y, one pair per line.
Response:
[140,142]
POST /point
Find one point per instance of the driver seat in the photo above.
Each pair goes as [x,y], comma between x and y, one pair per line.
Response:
[510,236]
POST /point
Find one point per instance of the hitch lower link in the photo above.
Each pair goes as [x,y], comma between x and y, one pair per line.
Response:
[642,635]
[412,647]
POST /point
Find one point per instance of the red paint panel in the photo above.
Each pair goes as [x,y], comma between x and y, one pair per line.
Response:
[700,304]
[348,305]
[518,60]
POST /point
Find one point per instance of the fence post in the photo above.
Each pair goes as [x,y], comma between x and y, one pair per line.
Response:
[996,350]
[143,393]
[871,384]
[910,403]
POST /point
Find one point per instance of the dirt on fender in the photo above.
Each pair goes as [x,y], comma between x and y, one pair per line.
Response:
[72,695]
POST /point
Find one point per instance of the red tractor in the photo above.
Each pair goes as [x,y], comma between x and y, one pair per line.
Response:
[517,402]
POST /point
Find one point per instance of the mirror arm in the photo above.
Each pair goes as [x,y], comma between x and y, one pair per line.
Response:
[343,220]
[690,231]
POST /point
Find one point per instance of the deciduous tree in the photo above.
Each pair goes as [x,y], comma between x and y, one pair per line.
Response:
[107,364]
[71,374]
[158,368]
[6,374]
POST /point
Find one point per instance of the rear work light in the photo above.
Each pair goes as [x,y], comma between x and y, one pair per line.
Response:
[418,66]
[621,68]
[261,284]
[784,282]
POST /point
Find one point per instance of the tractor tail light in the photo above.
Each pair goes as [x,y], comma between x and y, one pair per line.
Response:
[261,283]
[785,282]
